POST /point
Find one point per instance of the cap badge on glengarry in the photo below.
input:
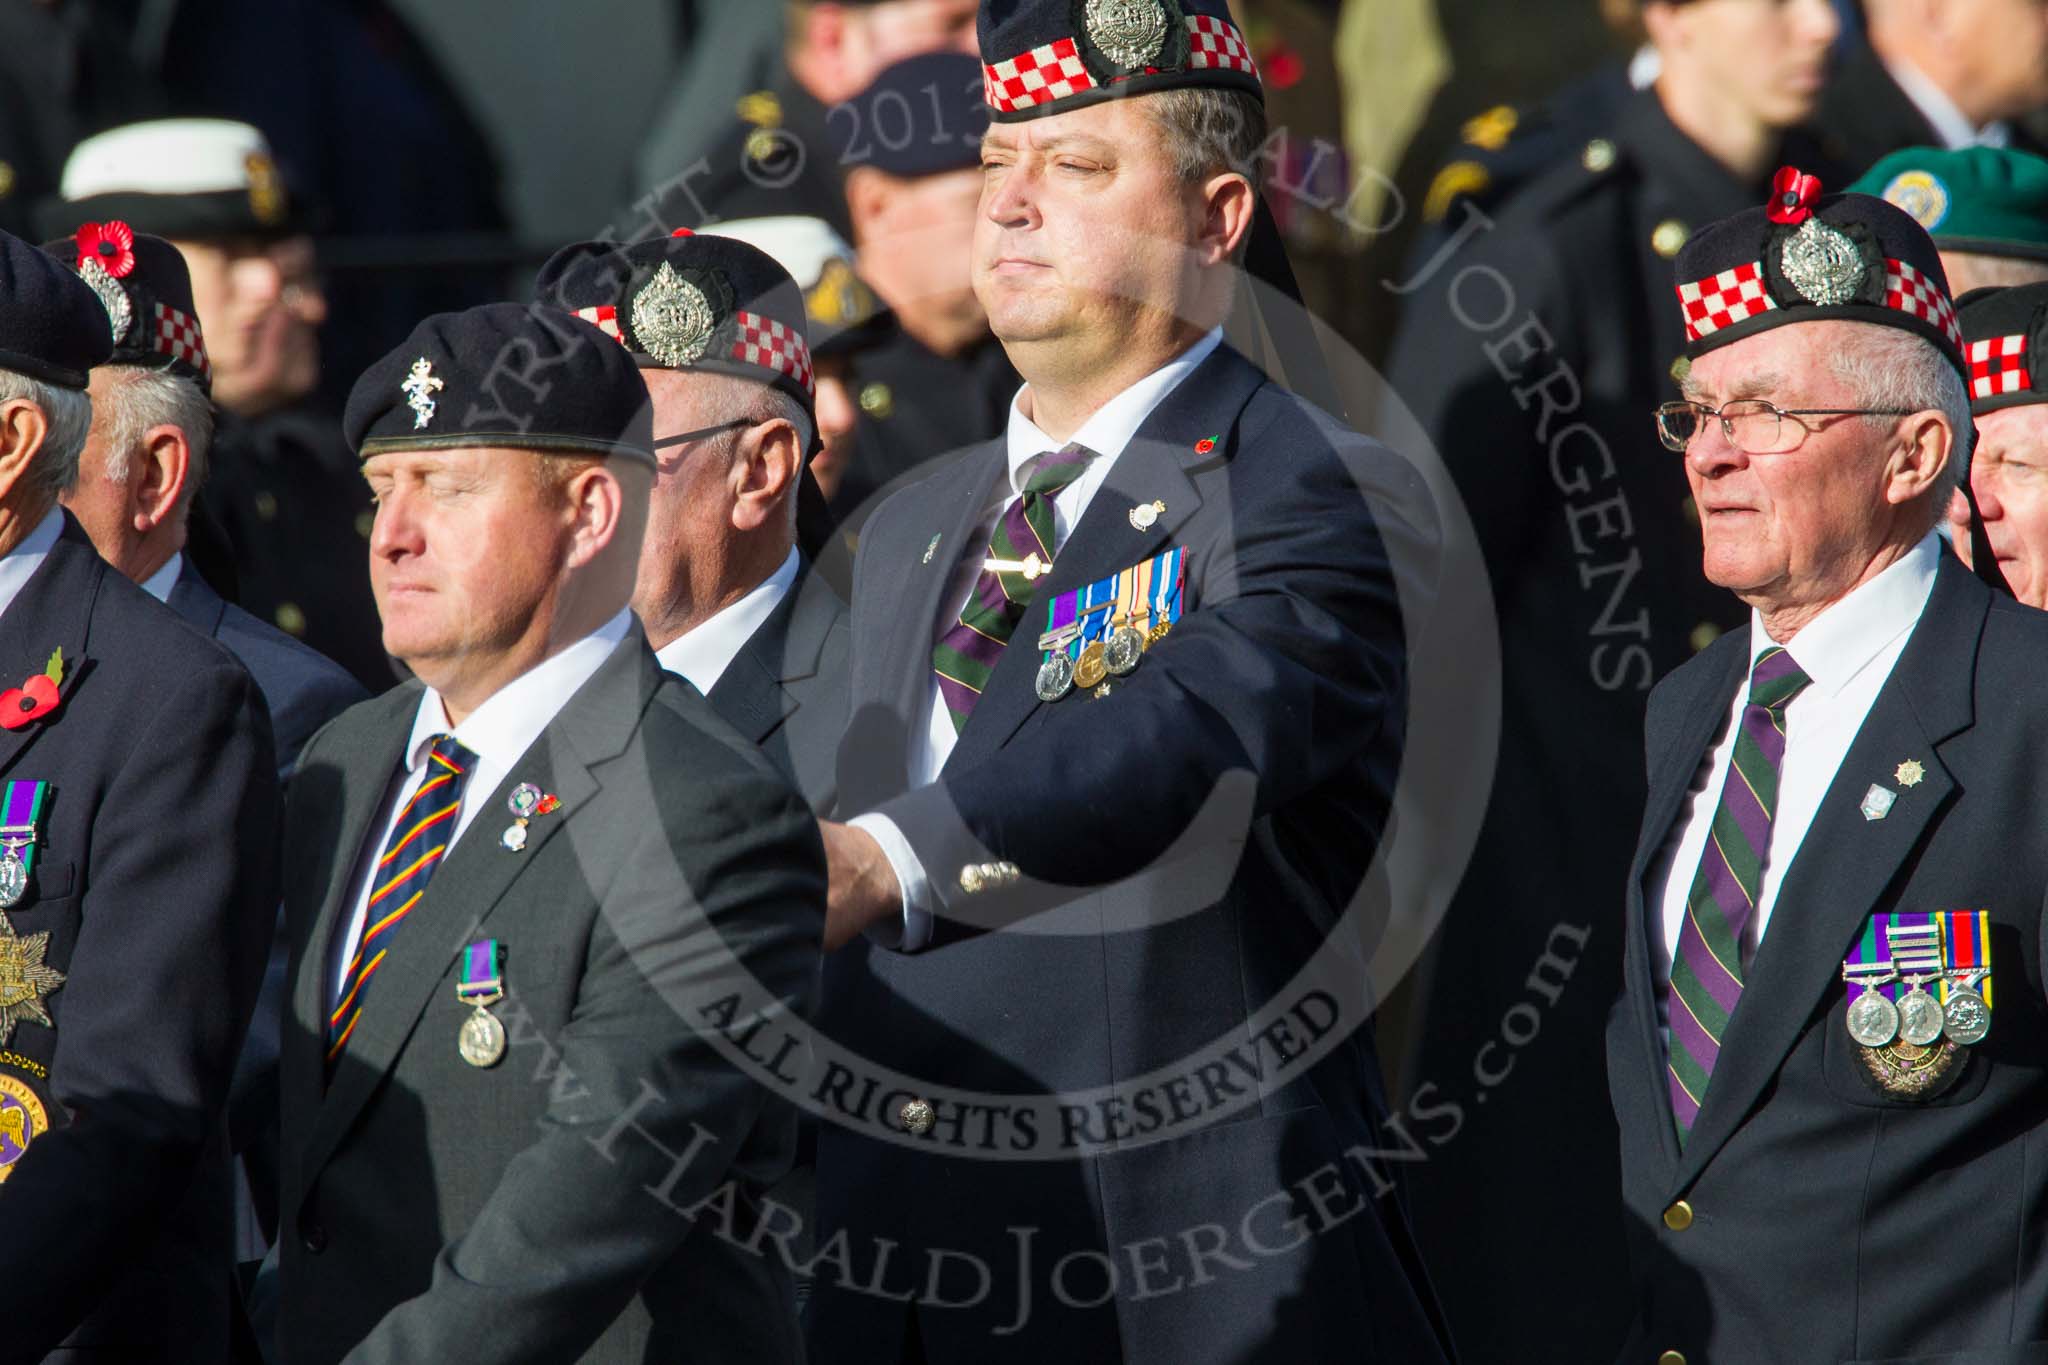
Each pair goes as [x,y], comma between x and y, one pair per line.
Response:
[417,388]
[1823,264]
[1128,32]
[672,319]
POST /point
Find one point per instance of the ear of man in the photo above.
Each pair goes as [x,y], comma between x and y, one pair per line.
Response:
[159,472]
[767,460]
[23,429]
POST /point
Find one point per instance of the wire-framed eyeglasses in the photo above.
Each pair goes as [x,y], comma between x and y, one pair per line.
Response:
[1755,426]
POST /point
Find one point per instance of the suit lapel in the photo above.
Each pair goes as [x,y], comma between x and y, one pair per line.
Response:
[1846,864]
[1676,763]
[52,611]
[594,726]
[1152,468]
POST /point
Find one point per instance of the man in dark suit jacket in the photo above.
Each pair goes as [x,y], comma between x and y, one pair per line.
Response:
[142,465]
[1055,907]
[1831,1116]
[136,894]
[724,594]
[514,1126]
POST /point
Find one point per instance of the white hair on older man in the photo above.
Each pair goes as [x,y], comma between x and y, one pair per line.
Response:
[1888,367]
[142,399]
[69,414]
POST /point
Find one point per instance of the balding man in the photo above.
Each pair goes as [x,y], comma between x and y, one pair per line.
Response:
[1817,1084]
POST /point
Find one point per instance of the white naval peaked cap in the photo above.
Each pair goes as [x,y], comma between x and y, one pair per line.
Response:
[801,245]
[165,156]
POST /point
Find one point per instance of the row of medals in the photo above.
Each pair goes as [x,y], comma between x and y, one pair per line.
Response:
[1100,661]
[1918,1018]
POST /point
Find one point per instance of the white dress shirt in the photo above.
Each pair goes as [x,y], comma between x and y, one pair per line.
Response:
[704,652]
[1849,651]
[160,583]
[1106,433]
[497,732]
[19,564]
[1950,124]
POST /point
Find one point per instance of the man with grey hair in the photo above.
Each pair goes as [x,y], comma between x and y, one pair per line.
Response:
[138,819]
[1840,859]
[140,469]
[723,592]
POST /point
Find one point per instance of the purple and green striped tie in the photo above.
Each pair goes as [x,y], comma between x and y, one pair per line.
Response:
[1706,971]
[966,654]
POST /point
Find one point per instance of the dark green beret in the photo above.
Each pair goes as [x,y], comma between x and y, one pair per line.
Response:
[1989,200]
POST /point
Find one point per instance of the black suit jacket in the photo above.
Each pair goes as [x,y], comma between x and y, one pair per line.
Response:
[1281,694]
[302,688]
[535,1211]
[786,689]
[1864,115]
[155,880]
[1831,1223]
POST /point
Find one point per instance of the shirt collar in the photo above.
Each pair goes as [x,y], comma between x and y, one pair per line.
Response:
[160,583]
[1114,423]
[1950,124]
[705,651]
[507,724]
[1843,640]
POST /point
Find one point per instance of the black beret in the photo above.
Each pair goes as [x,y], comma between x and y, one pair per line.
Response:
[2005,340]
[503,374]
[1045,56]
[147,289]
[922,116]
[52,327]
[689,302]
[1809,257]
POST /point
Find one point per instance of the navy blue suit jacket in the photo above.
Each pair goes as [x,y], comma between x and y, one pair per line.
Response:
[1184,844]
[1831,1222]
[155,879]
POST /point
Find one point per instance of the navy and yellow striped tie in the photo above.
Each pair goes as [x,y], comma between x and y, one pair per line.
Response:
[418,839]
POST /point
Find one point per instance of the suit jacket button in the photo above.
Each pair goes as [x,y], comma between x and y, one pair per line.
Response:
[1678,1217]
[916,1116]
[314,1236]
[1671,1358]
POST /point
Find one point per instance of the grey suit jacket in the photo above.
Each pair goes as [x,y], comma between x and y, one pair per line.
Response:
[787,689]
[588,1197]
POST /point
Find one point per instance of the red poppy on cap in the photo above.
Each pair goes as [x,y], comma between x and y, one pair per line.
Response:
[112,244]
[1792,194]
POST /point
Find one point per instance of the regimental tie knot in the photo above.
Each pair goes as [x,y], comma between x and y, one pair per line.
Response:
[1775,680]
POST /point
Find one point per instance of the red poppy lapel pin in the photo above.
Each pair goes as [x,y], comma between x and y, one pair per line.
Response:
[35,698]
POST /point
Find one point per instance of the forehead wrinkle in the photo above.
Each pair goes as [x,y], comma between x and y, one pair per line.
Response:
[1754,384]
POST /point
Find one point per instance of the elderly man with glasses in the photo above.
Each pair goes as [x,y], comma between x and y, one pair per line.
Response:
[1821,1062]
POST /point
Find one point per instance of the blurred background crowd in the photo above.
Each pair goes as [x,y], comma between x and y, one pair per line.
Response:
[401,157]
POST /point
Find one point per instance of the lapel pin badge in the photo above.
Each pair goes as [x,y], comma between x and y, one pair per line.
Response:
[930,550]
[1877,802]
[1145,514]
[1909,773]
[527,802]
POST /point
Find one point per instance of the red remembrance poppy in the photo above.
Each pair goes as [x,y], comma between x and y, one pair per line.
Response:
[112,244]
[1792,195]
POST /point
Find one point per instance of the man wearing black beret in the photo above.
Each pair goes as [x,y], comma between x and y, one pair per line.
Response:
[1129,688]
[138,818]
[1825,1063]
[513,1127]
[725,596]
[2005,340]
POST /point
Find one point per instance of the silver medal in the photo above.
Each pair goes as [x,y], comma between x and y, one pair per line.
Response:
[1920,1018]
[1126,646]
[13,879]
[1873,1019]
[1055,678]
[482,1041]
[1966,1019]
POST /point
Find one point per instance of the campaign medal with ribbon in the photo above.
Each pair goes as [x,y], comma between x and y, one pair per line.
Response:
[1900,1042]
[1966,975]
[527,802]
[1133,607]
[1167,572]
[1873,1018]
[1092,665]
[1103,630]
[21,811]
[1056,671]
[480,985]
